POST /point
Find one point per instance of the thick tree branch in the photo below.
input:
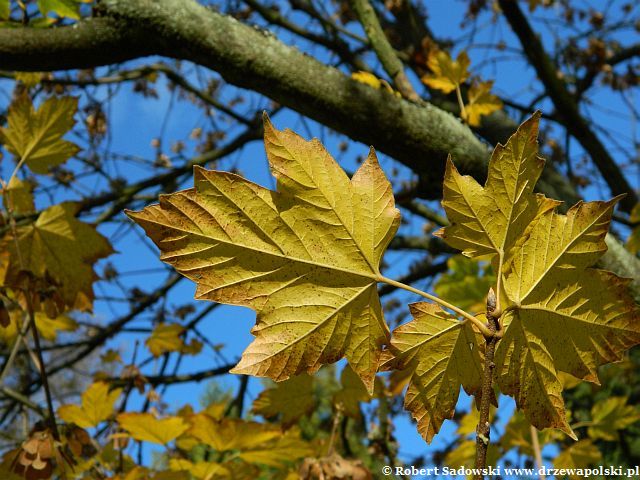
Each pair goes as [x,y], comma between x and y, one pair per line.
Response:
[566,106]
[418,136]
[90,43]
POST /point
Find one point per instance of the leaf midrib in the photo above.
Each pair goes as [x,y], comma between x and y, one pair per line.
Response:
[372,276]
[311,176]
[552,264]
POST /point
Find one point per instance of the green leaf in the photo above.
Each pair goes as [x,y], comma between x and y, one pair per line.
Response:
[464,284]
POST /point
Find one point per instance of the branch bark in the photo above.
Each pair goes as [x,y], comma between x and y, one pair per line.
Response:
[418,136]
[566,106]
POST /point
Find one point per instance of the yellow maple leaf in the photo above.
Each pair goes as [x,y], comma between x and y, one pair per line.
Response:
[559,314]
[481,102]
[289,400]
[60,250]
[47,327]
[374,82]
[610,415]
[582,454]
[447,74]
[488,221]
[147,428]
[97,406]
[35,136]
[351,393]
[18,197]
[200,470]
[310,250]
[166,337]
[442,354]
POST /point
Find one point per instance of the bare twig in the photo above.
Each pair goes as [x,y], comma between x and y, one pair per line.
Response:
[483,430]
[385,52]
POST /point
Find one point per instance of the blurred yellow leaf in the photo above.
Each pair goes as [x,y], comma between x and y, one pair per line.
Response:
[373,81]
[165,338]
[481,102]
[47,327]
[447,74]
[286,448]
[351,393]
[464,454]
[60,250]
[633,242]
[147,428]
[289,400]
[517,434]
[18,197]
[581,454]
[231,434]
[464,284]
[62,8]
[29,79]
[5,9]
[610,415]
[97,406]
[200,470]
[36,136]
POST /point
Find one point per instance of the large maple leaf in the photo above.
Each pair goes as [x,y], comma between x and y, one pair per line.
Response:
[560,314]
[35,136]
[305,257]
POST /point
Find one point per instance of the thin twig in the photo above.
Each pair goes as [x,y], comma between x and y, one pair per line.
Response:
[385,52]
[483,430]
[536,451]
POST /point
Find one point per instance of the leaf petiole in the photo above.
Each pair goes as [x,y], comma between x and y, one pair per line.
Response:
[481,326]
[463,111]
